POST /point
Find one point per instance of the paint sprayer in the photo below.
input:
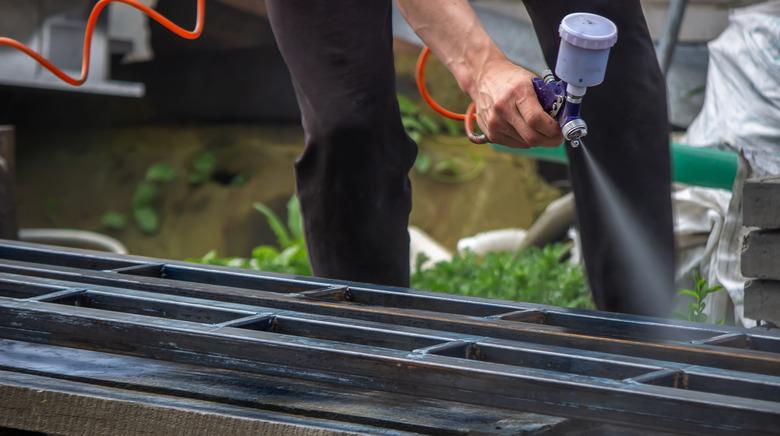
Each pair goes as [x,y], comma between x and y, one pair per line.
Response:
[582,61]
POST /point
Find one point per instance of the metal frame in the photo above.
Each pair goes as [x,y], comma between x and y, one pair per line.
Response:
[629,370]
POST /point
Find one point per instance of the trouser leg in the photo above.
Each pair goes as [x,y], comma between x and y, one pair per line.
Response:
[628,135]
[352,178]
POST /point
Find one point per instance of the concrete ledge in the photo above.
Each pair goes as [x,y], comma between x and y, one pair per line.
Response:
[761,255]
[762,300]
[761,203]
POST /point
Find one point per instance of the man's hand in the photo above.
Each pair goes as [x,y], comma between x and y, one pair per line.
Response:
[508,111]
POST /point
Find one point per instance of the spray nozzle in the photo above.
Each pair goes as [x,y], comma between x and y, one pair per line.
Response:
[582,63]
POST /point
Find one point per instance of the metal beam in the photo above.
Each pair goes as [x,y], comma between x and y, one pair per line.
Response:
[629,370]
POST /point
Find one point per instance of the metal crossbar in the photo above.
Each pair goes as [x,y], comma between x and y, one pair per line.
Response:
[629,370]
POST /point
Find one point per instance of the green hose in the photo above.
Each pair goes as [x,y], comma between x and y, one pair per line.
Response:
[698,166]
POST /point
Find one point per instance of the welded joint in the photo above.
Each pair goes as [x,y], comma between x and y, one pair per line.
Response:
[720,339]
[523,315]
[238,322]
[339,292]
[678,377]
[56,295]
[443,348]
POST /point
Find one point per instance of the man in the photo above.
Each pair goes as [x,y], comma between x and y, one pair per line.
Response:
[353,175]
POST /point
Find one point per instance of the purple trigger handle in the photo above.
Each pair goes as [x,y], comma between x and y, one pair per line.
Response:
[549,93]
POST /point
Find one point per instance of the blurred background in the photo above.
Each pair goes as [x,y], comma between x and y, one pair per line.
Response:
[180,148]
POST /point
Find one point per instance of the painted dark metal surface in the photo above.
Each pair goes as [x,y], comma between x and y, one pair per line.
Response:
[629,370]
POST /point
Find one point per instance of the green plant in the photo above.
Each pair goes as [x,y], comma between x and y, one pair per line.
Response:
[290,256]
[113,220]
[534,275]
[146,194]
[418,124]
[695,308]
[203,166]
[160,173]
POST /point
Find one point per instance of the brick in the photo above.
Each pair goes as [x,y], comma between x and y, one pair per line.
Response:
[762,300]
[761,255]
[761,203]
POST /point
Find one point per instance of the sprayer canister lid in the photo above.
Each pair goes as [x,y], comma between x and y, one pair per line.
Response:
[589,31]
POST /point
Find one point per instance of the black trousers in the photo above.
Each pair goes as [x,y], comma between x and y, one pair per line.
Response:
[353,181]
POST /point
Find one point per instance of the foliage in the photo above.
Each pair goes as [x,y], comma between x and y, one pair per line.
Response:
[534,275]
[203,166]
[113,220]
[418,124]
[146,194]
[160,173]
[290,256]
[695,308]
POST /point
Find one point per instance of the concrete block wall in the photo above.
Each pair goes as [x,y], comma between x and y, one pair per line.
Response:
[761,248]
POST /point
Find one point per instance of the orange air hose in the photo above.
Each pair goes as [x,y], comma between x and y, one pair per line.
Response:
[92,21]
[467,118]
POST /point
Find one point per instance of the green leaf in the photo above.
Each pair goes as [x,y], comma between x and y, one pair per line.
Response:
[423,163]
[113,220]
[198,178]
[416,136]
[160,173]
[144,195]
[689,293]
[287,255]
[411,124]
[203,166]
[236,262]
[276,225]
[210,256]
[420,260]
[429,125]
[406,105]
[295,219]
[146,218]
[205,162]
[265,254]
[711,290]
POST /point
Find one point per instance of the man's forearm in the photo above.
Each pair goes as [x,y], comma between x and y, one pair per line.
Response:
[451,29]
[508,111]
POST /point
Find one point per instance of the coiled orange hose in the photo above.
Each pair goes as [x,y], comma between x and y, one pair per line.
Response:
[92,21]
[467,118]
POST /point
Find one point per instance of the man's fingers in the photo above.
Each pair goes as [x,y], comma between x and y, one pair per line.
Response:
[499,131]
[537,119]
[527,132]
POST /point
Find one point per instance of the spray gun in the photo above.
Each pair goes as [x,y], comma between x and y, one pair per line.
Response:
[582,63]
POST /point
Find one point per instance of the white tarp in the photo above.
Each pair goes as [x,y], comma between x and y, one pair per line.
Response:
[741,112]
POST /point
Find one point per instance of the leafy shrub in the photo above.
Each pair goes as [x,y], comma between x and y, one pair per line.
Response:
[534,275]
[289,257]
